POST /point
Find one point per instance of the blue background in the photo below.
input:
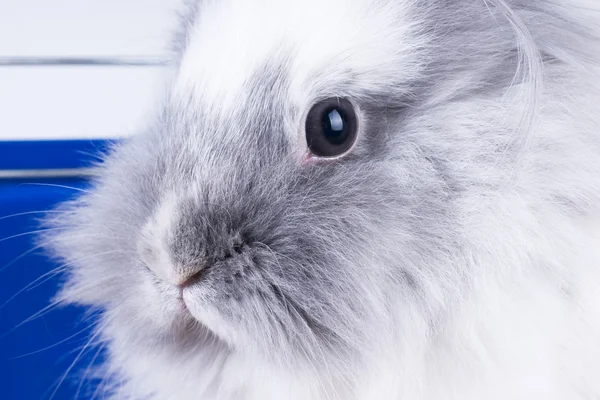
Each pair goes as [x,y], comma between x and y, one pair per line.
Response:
[38,348]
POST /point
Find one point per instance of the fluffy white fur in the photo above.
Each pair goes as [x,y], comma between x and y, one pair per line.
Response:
[503,95]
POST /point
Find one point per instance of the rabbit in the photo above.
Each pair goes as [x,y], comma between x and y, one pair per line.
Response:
[352,200]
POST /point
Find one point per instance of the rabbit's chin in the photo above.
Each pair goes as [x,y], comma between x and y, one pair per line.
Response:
[215,371]
[260,340]
[200,304]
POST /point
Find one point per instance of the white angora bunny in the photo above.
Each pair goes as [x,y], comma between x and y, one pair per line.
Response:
[355,200]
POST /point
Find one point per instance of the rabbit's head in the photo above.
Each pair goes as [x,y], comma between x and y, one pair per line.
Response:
[300,196]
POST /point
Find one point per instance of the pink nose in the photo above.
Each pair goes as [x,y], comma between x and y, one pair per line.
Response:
[189,277]
[158,260]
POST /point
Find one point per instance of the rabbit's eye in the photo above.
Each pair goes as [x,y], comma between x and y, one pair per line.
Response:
[331,128]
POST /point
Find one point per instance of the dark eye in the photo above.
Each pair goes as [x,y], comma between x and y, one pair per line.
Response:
[331,127]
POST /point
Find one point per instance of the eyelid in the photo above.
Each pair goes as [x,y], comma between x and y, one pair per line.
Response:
[303,154]
[319,109]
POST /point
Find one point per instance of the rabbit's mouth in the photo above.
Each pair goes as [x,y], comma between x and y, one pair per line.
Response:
[247,307]
[227,294]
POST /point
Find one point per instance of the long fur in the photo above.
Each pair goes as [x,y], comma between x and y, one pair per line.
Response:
[453,254]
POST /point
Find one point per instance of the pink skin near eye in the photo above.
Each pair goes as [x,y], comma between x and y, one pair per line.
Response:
[306,159]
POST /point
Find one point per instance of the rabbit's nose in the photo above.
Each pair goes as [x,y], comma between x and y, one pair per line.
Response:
[179,252]
[183,240]
[161,261]
[155,256]
[156,252]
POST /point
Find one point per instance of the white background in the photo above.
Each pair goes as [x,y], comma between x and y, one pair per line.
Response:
[54,102]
